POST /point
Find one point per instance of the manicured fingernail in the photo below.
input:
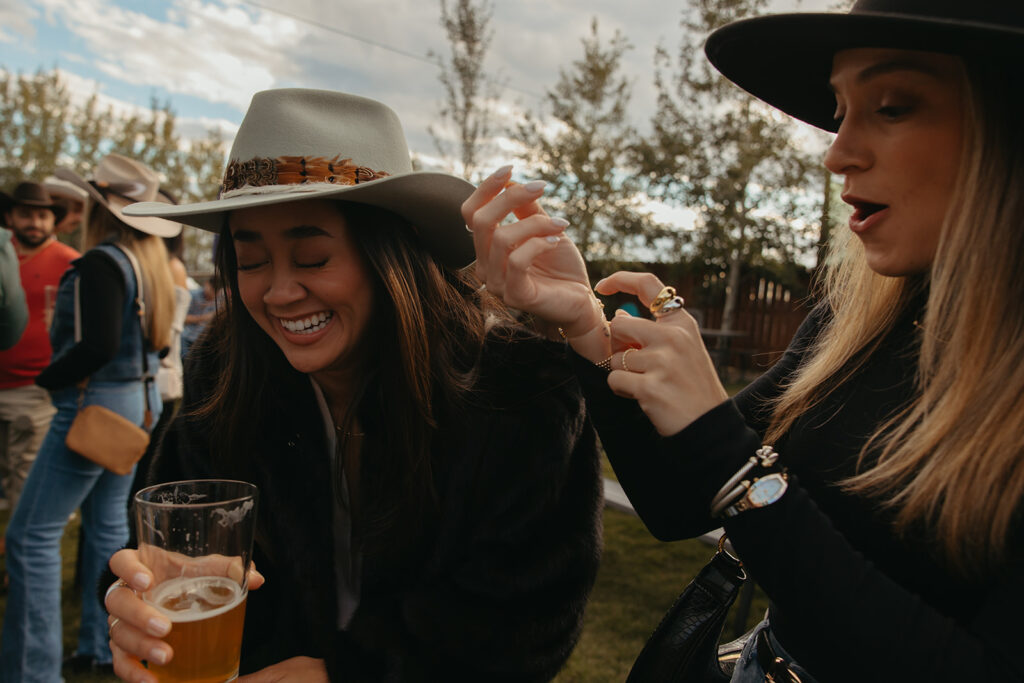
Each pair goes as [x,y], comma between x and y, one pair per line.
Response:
[621,312]
[559,222]
[600,282]
[158,626]
[534,186]
[158,655]
[502,172]
[140,581]
[553,239]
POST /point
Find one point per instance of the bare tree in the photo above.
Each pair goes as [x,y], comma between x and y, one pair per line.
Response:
[468,94]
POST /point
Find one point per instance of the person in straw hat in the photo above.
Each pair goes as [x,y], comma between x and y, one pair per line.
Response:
[892,548]
[429,485]
[99,341]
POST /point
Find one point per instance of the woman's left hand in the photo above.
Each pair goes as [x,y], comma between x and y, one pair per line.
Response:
[662,363]
[298,669]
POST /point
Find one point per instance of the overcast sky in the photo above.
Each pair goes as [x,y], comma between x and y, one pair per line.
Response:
[208,57]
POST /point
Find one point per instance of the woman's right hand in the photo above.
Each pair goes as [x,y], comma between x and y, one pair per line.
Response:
[529,263]
[137,628]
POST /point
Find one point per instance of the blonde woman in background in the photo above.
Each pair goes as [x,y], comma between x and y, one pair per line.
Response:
[101,343]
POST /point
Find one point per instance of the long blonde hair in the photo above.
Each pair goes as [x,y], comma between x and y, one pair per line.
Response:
[951,460]
[156,273]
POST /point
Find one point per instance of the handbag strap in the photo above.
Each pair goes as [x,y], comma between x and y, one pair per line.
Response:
[140,309]
[684,646]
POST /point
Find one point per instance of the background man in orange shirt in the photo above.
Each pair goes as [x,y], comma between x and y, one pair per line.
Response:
[25,409]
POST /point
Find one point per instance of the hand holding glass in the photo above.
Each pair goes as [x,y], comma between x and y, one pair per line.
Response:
[196,538]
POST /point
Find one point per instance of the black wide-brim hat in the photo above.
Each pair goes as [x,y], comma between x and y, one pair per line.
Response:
[786,59]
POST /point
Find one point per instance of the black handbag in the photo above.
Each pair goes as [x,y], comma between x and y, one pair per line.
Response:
[684,647]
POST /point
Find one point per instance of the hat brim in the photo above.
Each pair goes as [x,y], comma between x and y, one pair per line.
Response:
[786,59]
[430,201]
[116,204]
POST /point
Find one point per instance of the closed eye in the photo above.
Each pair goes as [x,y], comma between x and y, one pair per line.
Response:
[251,266]
[893,111]
[318,264]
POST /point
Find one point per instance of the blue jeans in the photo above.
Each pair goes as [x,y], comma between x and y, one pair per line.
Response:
[748,669]
[61,482]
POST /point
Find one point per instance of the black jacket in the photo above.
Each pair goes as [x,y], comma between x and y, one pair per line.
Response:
[497,589]
[851,600]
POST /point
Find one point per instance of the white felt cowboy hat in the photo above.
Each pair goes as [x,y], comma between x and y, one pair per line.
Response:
[786,59]
[297,144]
[62,188]
[119,182]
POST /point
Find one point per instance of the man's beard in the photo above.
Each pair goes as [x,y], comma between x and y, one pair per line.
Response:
[31,240]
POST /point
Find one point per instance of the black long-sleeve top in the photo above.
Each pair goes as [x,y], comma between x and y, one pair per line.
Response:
[102,292]
[851,600]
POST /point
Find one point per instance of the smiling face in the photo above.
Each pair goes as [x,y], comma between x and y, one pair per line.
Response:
[304,282]
[898,147]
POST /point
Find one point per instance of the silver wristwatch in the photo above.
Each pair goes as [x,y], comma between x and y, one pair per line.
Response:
[760,492]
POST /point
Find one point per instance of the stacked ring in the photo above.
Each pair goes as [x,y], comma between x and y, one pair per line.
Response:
[110,629]
[624,354]
[671,306]
[661,299]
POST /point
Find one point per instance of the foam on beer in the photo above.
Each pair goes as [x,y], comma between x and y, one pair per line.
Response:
[193,598]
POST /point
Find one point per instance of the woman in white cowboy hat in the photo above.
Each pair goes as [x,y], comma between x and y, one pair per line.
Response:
[429,489]
[892,549]
[97,339]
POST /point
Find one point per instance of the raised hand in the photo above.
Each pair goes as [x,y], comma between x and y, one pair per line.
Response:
[530,263]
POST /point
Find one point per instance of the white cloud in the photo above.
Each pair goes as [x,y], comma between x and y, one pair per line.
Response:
[220,53]
[16,17]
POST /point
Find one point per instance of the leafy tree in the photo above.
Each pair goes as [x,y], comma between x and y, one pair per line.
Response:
[468,94]
[34,131]
[733,160]
[41,129]
[585,153]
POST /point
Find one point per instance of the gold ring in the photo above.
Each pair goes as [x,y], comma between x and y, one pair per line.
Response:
[110,629]
[624,354]
[664,295]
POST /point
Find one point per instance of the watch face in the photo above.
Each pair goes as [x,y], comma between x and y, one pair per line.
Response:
[767,490]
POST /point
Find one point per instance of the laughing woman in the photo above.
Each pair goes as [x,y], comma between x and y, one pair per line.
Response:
[893,547]
[428,478]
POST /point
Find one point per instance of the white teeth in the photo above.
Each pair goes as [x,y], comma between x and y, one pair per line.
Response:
[307,325]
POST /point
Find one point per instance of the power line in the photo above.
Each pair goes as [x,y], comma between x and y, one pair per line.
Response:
[368,41]
[347,34]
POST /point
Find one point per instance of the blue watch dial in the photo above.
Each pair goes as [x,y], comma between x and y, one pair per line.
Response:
[766,490]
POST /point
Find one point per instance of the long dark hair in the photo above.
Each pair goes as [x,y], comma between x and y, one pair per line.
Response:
[420,348]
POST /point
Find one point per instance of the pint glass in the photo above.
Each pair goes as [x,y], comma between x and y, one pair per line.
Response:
[196,538]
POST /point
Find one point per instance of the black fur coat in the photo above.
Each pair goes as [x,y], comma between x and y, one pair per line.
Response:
[497,588]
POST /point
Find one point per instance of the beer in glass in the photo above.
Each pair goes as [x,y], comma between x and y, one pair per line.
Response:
[196,538]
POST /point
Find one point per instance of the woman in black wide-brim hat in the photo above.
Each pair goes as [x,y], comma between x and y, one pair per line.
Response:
[888,532]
